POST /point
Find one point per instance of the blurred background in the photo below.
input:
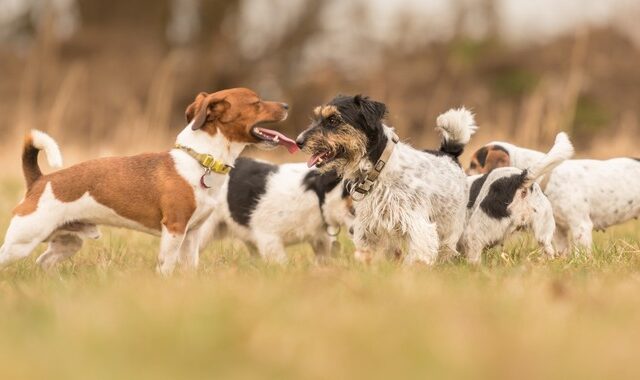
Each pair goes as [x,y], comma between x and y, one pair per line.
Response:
[114,77]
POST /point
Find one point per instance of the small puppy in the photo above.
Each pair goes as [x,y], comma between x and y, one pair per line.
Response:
[168,194]
[585,194]
[403,197]
[270,206]
[507,199]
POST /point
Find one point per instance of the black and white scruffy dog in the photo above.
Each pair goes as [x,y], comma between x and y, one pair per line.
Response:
[507,199]
[270,206]
[404,198]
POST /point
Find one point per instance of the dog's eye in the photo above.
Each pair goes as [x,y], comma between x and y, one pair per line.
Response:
[333,121]
[524,193]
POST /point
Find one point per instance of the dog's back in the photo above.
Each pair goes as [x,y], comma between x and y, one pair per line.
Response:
[289,203]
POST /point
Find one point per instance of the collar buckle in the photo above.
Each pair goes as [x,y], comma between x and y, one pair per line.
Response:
[363,187]
[210,163]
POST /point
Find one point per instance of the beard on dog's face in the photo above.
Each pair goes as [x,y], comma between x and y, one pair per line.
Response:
[343,132]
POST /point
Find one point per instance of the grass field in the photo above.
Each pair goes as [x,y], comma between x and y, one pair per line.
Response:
[105,314]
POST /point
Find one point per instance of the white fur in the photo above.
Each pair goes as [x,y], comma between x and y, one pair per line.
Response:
[43,141]
[529,207]
[418,201]
[287,213]
[456,125]
[561,151]
[585,194]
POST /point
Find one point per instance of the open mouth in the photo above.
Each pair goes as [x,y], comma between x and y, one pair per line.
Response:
[320,159]
[275,138]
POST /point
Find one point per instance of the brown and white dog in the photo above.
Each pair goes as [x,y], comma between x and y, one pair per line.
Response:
[167,194]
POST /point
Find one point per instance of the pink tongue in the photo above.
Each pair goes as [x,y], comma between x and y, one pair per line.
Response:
[283,140]
[313,160]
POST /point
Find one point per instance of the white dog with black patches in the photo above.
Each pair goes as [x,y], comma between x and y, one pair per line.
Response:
[271,206]
[585,194]
[507,199]
[404,198]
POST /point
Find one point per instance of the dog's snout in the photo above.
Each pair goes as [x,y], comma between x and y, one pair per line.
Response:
[300,140]
[285,106]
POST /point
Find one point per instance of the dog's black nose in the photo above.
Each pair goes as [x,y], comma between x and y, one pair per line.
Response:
[300,141]
[350,230]
[285,106]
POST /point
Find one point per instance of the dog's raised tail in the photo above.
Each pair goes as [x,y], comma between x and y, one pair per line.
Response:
[455,127]
[34,142]
[561,151]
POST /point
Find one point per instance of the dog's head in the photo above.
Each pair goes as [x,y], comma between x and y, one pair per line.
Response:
[239,115]
[487,158]
[344,132]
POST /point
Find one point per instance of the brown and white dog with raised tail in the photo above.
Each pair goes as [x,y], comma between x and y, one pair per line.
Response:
[168,194]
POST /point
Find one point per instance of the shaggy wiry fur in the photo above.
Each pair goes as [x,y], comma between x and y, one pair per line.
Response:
[418,201]
[507,199]
[270,206]
[585,194]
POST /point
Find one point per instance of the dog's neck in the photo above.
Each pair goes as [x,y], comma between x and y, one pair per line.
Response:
[216,145]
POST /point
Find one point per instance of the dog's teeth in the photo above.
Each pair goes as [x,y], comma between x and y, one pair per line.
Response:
[276,139]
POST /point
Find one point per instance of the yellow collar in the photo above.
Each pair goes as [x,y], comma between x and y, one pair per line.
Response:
[206,160]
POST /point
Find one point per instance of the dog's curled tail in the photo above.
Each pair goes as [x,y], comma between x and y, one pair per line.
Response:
[455,127]
[34,142]
[561,151]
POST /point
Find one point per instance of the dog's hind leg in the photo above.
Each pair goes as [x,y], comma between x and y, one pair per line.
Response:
[270,247]
[582,235]
[423,242]
[23,236]
[65,242]
[61,246]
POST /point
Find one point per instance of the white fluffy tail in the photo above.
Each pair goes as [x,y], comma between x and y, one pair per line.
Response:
[456,127]
[561,151]
[43,141]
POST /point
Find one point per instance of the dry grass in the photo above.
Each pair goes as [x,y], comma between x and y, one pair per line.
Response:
[105,314]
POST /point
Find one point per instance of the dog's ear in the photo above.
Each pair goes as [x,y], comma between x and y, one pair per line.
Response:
[372,110]
[204,107]
[496,158]
[191,110]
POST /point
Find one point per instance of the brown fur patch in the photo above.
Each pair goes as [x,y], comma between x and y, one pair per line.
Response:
[145,188]
[492,157]
[30,166]
[496,158]
[329,111]
[234,112]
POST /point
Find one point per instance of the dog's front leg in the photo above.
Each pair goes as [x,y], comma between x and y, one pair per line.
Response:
[365,243]
[190,250]
[170,243]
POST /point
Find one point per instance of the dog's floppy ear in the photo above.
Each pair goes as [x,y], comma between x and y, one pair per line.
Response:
[209,104]
[496,158]
[372,110]
[191,110]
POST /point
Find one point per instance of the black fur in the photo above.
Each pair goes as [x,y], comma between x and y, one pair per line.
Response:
[452,149]
[321,183]
[474,191]
[501,148]
[500,195]
[366,115]
[481,155]
[247,183]
[440,153]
